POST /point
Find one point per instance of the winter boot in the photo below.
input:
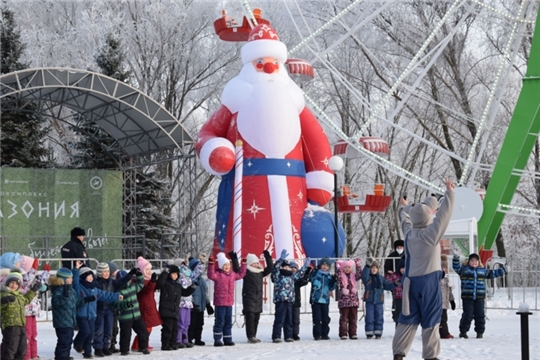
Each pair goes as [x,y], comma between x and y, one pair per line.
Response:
[479,335]
[399,357]
[463,335]
[99,353]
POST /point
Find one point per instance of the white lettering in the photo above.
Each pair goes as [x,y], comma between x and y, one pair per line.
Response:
[13,209]
[62,208]
[25,205]
[75,208]
[44,209]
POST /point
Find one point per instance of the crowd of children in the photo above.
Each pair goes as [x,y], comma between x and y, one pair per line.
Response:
[94,302]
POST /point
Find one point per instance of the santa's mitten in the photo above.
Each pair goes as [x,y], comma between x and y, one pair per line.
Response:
[35,264]
[211,260]
[217,156]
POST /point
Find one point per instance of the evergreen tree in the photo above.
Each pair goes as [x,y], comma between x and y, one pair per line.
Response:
[22,129]
[153,204]
[96,148]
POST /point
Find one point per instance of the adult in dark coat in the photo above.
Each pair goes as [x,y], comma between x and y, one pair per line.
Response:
[252,293]
[74,249]
[392,260]
[391,266]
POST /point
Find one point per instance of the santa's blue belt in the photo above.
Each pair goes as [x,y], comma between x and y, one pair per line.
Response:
[284,167]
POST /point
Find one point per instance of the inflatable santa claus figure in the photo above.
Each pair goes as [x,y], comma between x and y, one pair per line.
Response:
[270,151]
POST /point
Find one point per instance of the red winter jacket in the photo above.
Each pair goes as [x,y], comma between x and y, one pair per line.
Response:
[147,303]
[224,284]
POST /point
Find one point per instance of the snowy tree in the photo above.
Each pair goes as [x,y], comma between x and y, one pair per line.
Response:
[96,149]
[23,133]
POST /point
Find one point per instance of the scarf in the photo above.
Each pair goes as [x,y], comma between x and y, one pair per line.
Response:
[349,283]
[88,285]
[254,269]
[284,272]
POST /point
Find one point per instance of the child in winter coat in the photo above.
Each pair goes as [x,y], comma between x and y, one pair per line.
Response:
[473,293]
[322,282]
[147,301]
[447,300]
[252,293]
[64,311]
[298,284]
[129,311]
[397,294]
[32,311]
[375,284]
[200,303]
[186,302]
[224,280]
[284,296]
[348,272]
[113,270]
[12,308]
[169,305]
[85,286]
[104,313]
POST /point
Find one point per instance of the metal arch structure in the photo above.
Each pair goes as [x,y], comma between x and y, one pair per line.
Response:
[139,124]
[143,129]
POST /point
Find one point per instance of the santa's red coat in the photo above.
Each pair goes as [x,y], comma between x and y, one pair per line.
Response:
[263,212]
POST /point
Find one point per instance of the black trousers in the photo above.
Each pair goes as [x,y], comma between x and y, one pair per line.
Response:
[64,339]
[139,327]
[443,326]
[169,331]
[14,343]
[473,309]
[296,321]
[196,326]
[114,330]
[321,320]
[252,323]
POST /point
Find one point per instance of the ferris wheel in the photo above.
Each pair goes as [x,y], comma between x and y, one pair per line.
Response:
[405,84]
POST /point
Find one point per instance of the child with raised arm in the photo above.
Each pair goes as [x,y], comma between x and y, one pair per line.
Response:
[12,304]
[129,311]
[447,300]
[298,284]
[200,303]
[252,293]
[322,283]
[284,296]
[224,280]
[147,301]
[375,284]
[64,311]
[85,286]
[473,293]
[348,272]
[169,304]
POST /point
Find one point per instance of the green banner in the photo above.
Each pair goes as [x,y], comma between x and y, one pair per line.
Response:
[39,203]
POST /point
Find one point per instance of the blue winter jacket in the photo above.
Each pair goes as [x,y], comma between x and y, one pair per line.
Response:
[374,286]
[284,285]
[473,280]
[64,303]
[322,282]
[89,310]
[199,296]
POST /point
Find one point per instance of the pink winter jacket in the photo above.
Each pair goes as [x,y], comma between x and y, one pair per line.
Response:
[224,284]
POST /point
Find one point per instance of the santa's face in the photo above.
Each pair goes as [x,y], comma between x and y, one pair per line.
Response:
[268,65]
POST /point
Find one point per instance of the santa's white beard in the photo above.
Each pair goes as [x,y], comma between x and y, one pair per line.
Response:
[268,106]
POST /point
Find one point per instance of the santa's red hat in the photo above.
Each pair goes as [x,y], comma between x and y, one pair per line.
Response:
[263,41]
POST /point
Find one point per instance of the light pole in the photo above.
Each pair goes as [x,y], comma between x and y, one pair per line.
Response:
[335,164]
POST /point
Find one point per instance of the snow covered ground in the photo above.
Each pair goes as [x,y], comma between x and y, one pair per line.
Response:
[502,340]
